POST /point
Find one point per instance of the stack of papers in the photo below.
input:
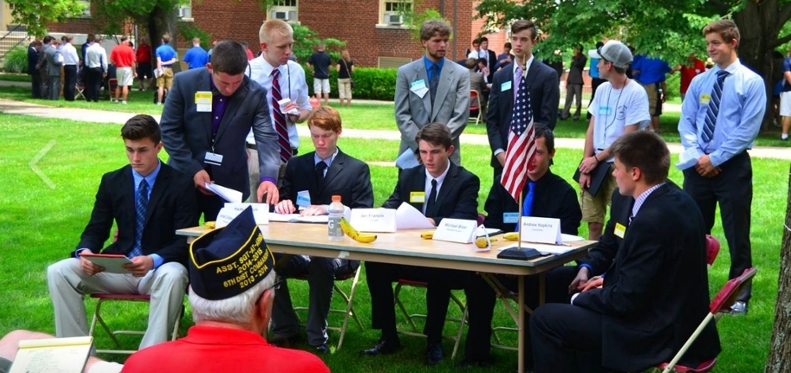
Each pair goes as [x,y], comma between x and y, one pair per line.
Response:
[228,194]
[297,218]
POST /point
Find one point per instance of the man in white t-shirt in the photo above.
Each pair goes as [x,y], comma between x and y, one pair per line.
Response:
[620,106]
[277,40]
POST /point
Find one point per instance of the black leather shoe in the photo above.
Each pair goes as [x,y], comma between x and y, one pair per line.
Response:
[284,341]
[434,353]
[322,349]
[383,347]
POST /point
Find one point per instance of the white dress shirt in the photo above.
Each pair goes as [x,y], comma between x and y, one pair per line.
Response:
[292,85]
[440,179]
[96,56]
[69,54]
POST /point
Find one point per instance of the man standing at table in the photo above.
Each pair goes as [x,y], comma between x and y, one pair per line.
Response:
[655,292]
[719,123]
[205,121]
[432,89]
[319,175]
[440,189]
[544,91]
[148,201]
[283,80]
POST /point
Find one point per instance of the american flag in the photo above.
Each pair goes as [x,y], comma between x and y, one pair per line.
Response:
[521,144]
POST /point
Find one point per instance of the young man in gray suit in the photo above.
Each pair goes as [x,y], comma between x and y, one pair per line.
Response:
[206,119]
[432,89]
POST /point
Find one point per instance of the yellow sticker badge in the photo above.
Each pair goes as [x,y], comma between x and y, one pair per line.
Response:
[704,99]
[417,197]
[620,230]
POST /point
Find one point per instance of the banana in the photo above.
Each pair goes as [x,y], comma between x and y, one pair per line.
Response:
[209,224]
[427,235]
[511,236]
[354,234]
[481,242]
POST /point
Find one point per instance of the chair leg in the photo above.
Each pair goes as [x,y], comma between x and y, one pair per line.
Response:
[106,328]
[458,335]
[403,309]
[349,307]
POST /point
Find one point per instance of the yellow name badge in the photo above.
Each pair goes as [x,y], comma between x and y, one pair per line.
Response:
[417,197]
[203,101]
[704,99]
[620,230]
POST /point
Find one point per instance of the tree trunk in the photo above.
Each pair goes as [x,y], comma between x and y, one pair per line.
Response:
[755,22]
[780,348]
[163,21]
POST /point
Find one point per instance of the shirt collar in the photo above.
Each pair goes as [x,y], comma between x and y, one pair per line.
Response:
[731,68]
[328,160]
[440,178]
[150,178]
[429,63]
[638,203]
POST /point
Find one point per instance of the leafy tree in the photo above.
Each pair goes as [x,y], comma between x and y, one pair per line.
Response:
[669,29]
[305,41]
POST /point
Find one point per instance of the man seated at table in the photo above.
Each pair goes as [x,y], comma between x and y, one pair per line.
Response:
[148,200]
[655,292]
[546,195]
[231,309]
[326,172]
[440,189]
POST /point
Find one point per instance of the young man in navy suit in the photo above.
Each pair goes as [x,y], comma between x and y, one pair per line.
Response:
[440,189]
[148,200]
[321,174]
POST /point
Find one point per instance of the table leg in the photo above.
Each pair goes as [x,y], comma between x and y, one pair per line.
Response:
[521,324]
[542,280]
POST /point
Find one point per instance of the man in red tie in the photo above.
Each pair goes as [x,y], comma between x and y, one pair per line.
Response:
[286,92]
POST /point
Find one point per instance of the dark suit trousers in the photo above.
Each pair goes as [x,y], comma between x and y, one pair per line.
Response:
[93,83]
[44,78]
[35,79]
[209,206]
[380,278]
[733,190]
[567,338]
[70,72]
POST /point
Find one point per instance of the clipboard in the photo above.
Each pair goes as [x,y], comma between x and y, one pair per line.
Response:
[597,176]
[112,263]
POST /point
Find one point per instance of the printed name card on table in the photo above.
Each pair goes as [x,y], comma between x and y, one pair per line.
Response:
[456,230]
[231,210]
[542,230]
[374,220]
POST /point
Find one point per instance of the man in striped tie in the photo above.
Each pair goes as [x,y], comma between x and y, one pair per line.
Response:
[148,200]
[283,80]
[720,119]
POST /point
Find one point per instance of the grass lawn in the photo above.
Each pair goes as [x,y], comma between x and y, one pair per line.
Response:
[40,226]
[14,77]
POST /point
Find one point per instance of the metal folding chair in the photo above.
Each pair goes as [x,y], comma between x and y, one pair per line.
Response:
[475,105]
[79,89]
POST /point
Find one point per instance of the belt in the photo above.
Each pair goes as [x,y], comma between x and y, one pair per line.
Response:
[252,147]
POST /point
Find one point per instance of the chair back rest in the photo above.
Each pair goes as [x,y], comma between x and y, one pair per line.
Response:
[723,301]
[712,249]
[113,83]
[474,103]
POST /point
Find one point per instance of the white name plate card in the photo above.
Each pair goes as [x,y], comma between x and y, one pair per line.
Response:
[260,211]
[542,230]
[374,220]
[456,230]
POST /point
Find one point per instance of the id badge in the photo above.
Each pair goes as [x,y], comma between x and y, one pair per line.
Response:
[510,217]
[303,198]
[417,197]
[213,159]
[620,230]
[604,110]
[506,86]
[203,101]
[704,99]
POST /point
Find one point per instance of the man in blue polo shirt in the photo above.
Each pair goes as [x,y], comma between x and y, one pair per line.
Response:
[650,73]
[196,57]
[166,57]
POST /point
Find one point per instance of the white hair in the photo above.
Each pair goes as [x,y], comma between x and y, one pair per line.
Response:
[236,310]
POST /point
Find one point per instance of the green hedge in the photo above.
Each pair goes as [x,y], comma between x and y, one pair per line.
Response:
[15,60]
[370,83]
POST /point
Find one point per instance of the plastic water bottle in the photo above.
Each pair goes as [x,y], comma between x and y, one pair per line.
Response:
[335,233]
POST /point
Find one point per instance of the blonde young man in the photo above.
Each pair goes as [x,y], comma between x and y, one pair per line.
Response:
[283,80]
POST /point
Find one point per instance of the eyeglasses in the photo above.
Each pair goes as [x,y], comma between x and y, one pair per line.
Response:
[275,286]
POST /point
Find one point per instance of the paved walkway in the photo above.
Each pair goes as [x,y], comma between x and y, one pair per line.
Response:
[101,116]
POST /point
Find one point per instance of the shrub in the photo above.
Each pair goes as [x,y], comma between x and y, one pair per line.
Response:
[16,60]
[370,83]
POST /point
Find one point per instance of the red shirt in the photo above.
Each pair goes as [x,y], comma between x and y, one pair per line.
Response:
[687,73]
[249,54]
[210,349]
[122,55]
[144,53]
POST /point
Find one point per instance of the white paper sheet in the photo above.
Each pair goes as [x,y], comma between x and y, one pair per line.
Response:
[110,264]
[228,194]
[407,160]
[408,217]
[297,218]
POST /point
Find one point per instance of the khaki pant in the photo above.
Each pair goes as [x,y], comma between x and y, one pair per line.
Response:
[594,208]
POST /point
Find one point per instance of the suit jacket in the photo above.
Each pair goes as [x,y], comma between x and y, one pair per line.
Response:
[542,81]
[32,60]
[553,198]
[187,133]
[655,291]
[348,177]
[451,107]
[490,64]
[171,206]
[477,84]
[54,61]
[457,198]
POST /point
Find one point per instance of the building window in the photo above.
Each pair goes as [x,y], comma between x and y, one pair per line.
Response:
[391,12]
[287,10]
[86,10]
[185,12]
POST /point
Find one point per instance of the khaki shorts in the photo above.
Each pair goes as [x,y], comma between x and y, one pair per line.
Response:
[345,88]
[594,209]
[125,76]
[166,79]
[321,86]
[654,100]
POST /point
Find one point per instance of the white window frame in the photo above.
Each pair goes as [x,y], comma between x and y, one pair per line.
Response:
[185,12]
[86,12]
[289,7]
[384,13]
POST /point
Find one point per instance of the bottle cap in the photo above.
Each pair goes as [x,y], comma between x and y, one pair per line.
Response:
[336,198]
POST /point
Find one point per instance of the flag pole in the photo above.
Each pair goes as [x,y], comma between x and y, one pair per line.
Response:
[519,208]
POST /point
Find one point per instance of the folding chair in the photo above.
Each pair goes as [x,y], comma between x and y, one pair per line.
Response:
[349,311]
[712,249]
[79,89]
[475,105]
[112,83]
[411,317]
[97,317]
[719,306]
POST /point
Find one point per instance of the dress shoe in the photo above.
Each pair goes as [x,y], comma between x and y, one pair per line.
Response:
[383,347]
[280,340]
[739,308]
[322,349]
[434,353]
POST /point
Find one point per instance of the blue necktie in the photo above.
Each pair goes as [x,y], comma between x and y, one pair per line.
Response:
[140,208]
[527,205]
[714,107]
